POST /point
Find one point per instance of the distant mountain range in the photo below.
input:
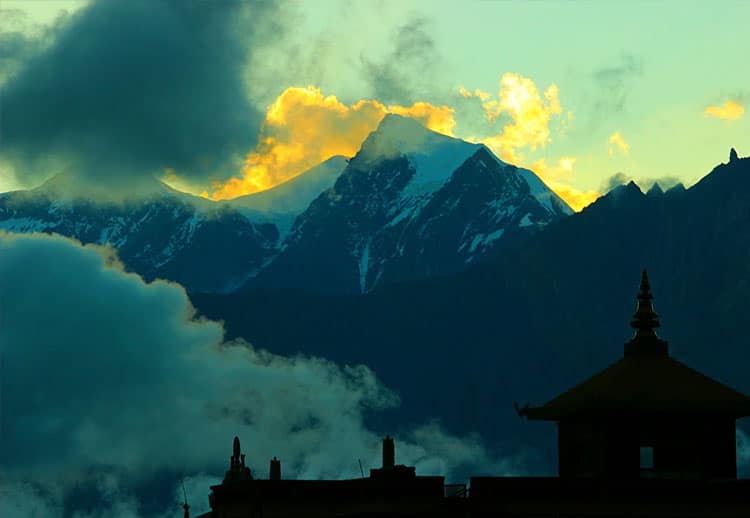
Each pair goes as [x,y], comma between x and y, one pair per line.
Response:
[411,204]
[540,317]
[464,282]
[168,234]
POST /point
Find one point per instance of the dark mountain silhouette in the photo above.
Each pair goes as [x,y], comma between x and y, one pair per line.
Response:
[540,317]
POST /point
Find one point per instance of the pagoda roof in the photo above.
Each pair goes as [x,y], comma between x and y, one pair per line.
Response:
[647,384]
[645,381]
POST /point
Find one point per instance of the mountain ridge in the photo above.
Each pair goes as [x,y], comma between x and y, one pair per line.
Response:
[295,194]
[386,217]
[533,322]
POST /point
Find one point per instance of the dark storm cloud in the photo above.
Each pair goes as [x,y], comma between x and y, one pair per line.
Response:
[617,179]
[616,73]
[15,47]
[405,74]
[128,88]
[607,93]
[614,84]
[665,182]
[19,40]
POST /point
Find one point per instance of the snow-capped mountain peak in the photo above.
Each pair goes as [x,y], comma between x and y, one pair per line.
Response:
[434,156]
[67,187]
[294,195]
[411,204]
[538,188]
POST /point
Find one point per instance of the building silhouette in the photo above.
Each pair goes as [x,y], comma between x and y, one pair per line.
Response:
[389,488]
[648,436]
[647,415]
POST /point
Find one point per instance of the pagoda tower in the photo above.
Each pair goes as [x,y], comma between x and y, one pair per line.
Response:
[647,415]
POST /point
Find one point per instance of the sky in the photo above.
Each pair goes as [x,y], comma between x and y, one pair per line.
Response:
[228,98]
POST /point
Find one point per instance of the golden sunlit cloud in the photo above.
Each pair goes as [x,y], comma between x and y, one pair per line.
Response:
[553,176]
[730,110]
[576,198]
[482,96]
[615,139]
[436,118]
[171,178]
[303,128]
[562,170]
[531,114]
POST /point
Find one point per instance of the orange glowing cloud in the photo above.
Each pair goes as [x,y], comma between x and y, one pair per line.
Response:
[616,140]
[303,127]
[730,110]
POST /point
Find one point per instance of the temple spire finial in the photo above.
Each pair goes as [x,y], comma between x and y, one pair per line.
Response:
[645,321]
[236,446]
[237,469]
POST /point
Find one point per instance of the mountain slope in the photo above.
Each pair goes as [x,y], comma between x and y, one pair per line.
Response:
[534,321]
[293,196]
[163,233]
[166,234]
[411,204]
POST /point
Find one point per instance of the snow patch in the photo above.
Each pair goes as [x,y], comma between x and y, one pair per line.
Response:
[544,194]
[493,236]
[295,195]
[408,208]
[436,161]
[525,221]
[537,188]
[364,265]
[25,225]
[190,226]
[434,156]
[482,240]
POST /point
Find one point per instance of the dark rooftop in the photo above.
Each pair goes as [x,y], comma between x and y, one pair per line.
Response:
[646,380]
[645,384]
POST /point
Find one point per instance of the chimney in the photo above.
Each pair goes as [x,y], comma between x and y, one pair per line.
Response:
[275,473]
[389,453]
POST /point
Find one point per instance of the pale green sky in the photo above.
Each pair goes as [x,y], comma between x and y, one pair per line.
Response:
[644,69]
[684,56]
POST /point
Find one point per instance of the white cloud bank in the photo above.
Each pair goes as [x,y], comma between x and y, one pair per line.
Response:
[108,381]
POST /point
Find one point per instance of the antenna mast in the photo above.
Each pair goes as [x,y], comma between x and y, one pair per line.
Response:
[185,505]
